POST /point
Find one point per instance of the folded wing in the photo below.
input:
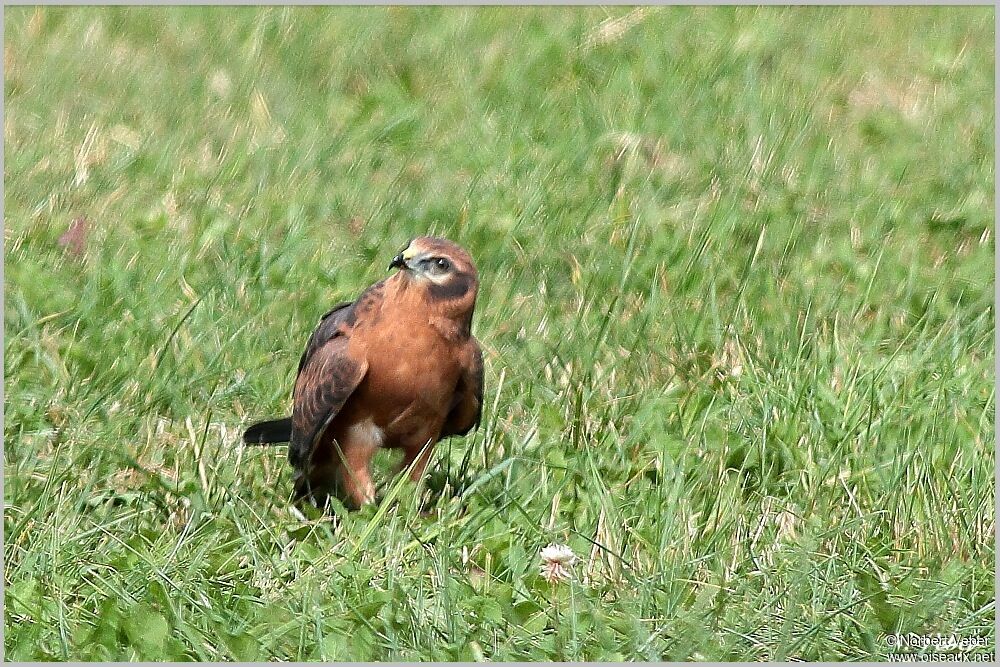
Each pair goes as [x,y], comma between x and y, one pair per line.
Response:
[467,404]
[328,375]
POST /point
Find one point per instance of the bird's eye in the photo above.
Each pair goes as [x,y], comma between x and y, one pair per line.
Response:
[442,264]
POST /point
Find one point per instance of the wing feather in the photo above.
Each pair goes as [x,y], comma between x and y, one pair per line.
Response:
[328,375]
[467,404]
[329,324]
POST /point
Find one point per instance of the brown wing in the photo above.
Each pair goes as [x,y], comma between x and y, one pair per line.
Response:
[467,404]
[338,319]
[328,374]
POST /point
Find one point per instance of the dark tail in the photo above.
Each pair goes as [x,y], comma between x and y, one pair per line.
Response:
[269,433]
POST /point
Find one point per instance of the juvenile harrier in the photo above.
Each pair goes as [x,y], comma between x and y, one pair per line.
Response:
[397,368]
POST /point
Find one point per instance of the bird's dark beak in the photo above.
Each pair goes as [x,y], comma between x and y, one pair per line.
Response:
[398,262]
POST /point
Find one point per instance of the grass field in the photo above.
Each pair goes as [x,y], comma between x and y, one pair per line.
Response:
[737,312]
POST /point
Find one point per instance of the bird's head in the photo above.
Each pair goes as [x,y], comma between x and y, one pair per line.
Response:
[443,271]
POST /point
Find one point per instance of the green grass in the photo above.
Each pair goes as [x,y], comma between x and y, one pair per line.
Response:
[737,312]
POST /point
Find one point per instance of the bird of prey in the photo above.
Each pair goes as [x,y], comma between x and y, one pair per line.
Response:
[397,368]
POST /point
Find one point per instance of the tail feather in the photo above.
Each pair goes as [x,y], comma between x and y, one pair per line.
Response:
[269,432]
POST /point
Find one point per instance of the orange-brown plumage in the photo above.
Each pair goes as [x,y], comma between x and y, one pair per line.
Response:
[398,368]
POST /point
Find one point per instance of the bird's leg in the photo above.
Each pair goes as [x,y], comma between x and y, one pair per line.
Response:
[316,485]
[419,453]
[417,442]
[355,476]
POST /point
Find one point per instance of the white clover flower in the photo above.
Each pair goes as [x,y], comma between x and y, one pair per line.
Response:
[556,560]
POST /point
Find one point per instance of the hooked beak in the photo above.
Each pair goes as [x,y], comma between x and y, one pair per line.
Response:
[398,262]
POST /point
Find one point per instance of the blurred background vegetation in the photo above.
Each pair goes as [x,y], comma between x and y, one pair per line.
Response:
[737,309]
